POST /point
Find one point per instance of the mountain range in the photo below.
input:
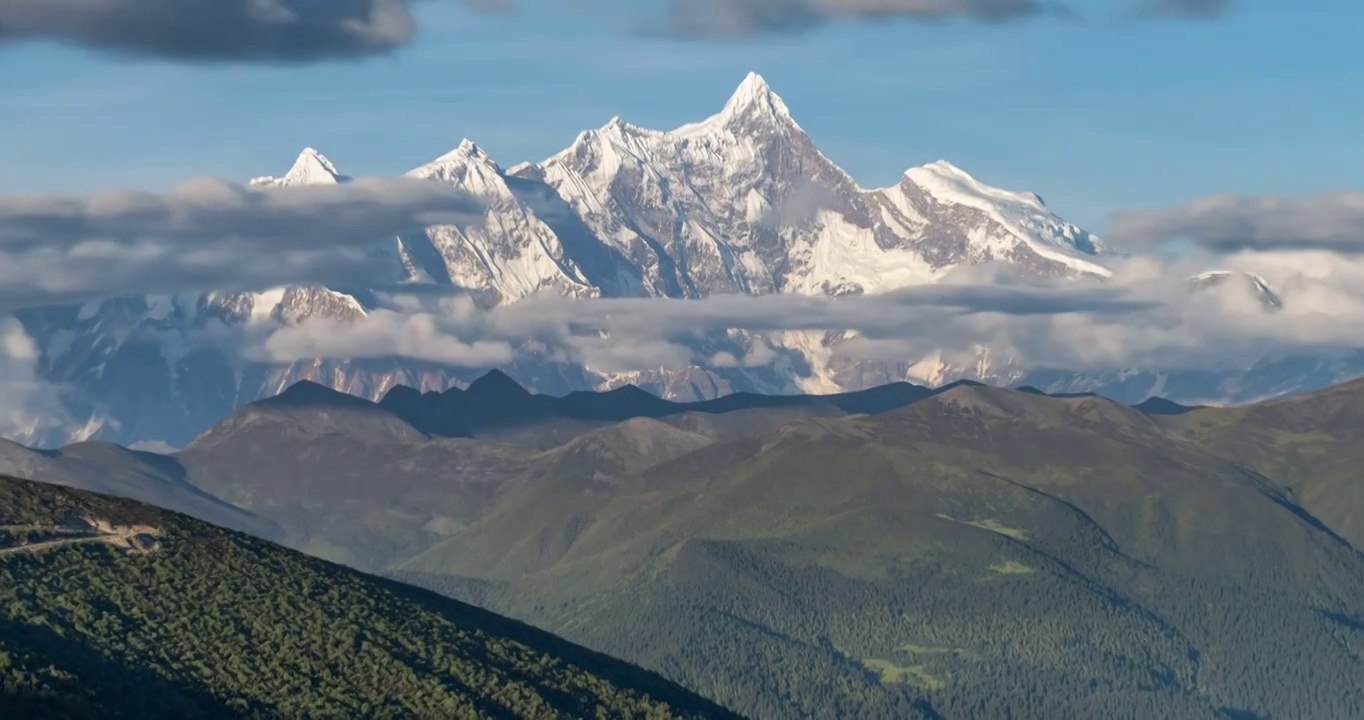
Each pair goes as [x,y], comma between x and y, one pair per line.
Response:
[898,552]
[741,202]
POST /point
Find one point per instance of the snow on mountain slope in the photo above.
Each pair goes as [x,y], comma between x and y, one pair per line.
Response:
[513,254]
[311,168]
[743,201]
[1001,224]
[1263,290]
[295,304]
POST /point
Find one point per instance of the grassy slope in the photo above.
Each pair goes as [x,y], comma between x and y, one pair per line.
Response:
[217,624]
[981,551]
[1313,444]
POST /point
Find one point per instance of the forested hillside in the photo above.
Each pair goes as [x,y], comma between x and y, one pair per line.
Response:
[112,609]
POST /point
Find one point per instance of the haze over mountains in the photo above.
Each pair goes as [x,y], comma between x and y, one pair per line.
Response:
[897,552]
[742,202]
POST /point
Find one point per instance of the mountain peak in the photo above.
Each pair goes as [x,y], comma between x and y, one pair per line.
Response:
[754,84]
[498,383]
[466,150]
[307,393]
[313,168]
[468,165]
[754,97]
[310,168]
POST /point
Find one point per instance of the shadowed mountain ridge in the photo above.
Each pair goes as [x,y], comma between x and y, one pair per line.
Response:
[496,402]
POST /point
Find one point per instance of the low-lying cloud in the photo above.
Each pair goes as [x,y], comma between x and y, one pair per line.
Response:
[621,334]
[211,234]
[1147,316]
[1232,223]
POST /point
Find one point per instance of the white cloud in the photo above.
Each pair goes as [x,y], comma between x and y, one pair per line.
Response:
[28,405]
[383,333]
[210,234]
[1145,316]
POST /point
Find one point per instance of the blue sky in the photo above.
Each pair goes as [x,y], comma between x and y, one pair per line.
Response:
[1095,116]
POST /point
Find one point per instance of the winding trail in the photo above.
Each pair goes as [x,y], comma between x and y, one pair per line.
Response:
[124,537]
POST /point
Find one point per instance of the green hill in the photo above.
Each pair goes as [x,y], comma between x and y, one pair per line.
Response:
[113,609]
[982,553]
[1313,444]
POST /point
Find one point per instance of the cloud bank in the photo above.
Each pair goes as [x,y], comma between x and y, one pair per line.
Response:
[1233,223]
[1148,316]
[210,234]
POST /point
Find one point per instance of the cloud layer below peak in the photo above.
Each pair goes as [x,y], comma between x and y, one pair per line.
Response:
[1148,316]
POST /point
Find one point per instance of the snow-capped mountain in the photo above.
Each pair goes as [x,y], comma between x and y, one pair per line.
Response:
[311,168]
[743,202]
[740,202]
[1259,286]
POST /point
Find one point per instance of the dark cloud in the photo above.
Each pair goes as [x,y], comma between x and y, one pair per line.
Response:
[215,31]
[210,234]
[1188,9]
[1232,223]
[742,18]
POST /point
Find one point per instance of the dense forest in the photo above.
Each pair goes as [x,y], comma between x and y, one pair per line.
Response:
[112,609]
